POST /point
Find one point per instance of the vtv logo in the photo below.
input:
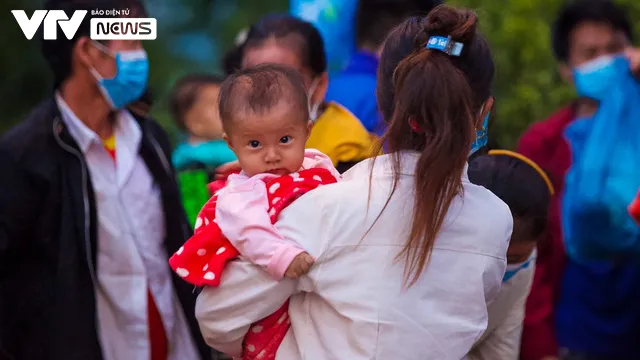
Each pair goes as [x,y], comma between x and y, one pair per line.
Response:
[51,19]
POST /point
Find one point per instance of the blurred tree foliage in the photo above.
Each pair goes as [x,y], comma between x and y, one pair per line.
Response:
[24,79]
[193,35]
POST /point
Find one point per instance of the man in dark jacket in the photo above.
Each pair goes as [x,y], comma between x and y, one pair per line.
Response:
[89,212]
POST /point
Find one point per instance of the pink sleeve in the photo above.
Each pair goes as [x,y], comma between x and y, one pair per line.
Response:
[242,215]
[316,159]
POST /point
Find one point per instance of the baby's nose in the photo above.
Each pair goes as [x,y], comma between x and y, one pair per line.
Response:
[272,156]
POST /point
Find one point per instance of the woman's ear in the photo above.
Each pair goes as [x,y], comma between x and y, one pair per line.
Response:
[309,126]
[486,109]
[321,89]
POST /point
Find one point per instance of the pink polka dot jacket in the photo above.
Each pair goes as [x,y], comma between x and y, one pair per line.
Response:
[202,258]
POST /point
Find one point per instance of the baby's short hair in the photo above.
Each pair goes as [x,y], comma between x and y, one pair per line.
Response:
[260,88]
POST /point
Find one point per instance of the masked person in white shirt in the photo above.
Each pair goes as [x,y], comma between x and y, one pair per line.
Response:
[90,212]
[526,188]
[408,251]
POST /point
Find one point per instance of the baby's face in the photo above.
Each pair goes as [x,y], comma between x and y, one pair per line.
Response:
[273,142]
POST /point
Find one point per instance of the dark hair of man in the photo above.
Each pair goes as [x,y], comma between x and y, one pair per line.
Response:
[577,12]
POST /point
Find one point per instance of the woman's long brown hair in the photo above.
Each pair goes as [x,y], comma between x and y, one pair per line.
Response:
[436,93]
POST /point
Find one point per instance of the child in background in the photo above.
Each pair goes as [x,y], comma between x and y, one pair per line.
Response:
[194,108]
[522,185]
[265,116]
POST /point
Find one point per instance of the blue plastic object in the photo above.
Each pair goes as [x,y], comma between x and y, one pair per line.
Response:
[605,174]
[446,45]
[335,19]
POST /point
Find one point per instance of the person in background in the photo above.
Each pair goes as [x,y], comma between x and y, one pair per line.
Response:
[355,86]
[522,185]
[394,278]
[579,311]
[80,175]
[193,104]
[286,40]
[232,59]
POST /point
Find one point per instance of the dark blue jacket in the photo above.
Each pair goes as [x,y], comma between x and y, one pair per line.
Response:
[355,89]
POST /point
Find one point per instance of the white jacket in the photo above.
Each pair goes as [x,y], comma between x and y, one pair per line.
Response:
[353,304]
[501,341]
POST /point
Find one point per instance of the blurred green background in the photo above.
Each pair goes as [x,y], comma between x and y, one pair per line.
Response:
[194,34]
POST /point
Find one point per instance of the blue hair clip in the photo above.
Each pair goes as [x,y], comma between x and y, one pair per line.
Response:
[445,44]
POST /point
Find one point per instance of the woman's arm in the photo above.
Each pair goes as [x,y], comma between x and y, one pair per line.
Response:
[247,293]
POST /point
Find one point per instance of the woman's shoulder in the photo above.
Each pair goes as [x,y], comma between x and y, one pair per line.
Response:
[332,204]
[486,217]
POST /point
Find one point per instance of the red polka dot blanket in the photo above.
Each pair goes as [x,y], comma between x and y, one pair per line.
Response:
[202,258]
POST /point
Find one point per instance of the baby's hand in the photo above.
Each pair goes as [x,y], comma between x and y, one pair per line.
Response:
[300,265]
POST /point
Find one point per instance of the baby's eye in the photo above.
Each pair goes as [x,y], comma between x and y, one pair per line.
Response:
[285,139]
[254,144]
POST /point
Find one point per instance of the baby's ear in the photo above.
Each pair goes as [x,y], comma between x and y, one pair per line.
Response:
[226,138]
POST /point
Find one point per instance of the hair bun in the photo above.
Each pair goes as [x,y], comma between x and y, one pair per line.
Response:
[446,20]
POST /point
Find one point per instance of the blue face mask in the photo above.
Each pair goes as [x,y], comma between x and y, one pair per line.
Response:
[130,80]
[595,78]
[513,269]
[482,137]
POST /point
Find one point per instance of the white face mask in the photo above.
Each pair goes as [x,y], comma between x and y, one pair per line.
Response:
[313,108]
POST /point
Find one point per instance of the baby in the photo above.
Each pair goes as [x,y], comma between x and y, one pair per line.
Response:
[265,116]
